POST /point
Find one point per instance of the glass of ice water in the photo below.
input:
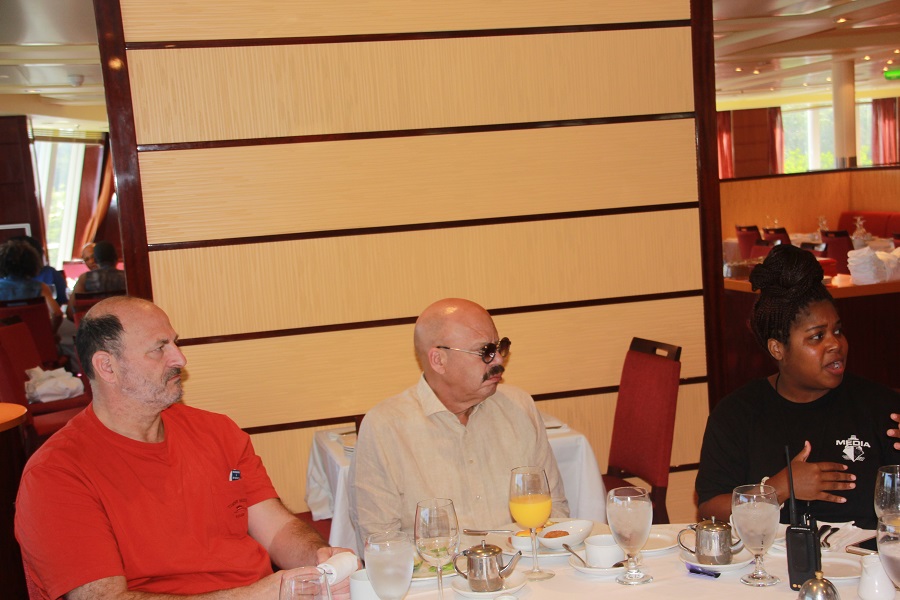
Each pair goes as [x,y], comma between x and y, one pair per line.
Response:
[630,514]
[389,563]
[755,512]
[304,583]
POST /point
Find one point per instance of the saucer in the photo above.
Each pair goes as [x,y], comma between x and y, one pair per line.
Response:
[659,542]
[513,583]
[595,571]
[841,568]
[738,561]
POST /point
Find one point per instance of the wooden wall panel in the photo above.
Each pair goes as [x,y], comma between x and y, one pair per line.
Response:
[270,91]
[878,189]
[314,376]
[154,20]
[206,194]
[304,283]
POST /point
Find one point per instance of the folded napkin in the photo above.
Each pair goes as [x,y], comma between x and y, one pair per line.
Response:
[339,567]
[551,422]
[847,534]
[47,386]
[335,434]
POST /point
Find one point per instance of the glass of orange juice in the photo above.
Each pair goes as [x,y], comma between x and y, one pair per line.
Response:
[529,504]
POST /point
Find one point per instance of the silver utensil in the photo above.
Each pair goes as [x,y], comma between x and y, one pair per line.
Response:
[825,543]
[485,531]
[575,554]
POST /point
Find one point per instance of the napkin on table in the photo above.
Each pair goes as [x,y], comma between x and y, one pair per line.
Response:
[339,567]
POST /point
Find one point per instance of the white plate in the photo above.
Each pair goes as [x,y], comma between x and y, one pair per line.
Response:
[841,568]
[423,573]
[595,571]
[513,583]
[502,540]
[659,542]
[738,561]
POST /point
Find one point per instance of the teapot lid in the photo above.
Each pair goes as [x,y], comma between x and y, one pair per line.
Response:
[484,550]
[712,525]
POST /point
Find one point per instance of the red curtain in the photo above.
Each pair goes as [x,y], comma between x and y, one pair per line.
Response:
[776,150]
[884,131]
[726,147]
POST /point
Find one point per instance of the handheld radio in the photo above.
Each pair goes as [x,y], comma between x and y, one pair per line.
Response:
[804,555]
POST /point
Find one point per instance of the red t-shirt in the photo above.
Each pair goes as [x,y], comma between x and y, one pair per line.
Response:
[170,517]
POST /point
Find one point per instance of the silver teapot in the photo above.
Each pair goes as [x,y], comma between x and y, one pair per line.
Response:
[484,567]
[713,541]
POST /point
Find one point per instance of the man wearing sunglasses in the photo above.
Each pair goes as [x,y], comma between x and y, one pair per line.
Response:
[455,434]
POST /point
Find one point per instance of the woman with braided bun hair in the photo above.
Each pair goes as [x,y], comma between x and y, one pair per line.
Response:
[834,423]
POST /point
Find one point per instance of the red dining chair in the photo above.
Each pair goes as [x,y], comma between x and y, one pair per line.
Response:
[747,235]
[18,353]
[761,248]
[644,425]
[776,233]
[35,315]
[83,301]
[896,235]
[837,244]
[818,250]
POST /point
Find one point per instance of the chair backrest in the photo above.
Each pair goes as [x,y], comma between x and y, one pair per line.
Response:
[761,248]
[35,315]
[776,233]
[747,235]
[644,425]
[816,249]
[17,342]
[837,244]
[12,386]
[83,301]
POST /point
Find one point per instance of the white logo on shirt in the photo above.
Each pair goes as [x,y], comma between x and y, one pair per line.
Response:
[853,448]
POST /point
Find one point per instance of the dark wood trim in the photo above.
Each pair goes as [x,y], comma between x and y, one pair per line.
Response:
[857,169]
[395,133]
[401,37]
[537,398]
[258,335]
[708,192]
[388,229]
[684,467]
[123,142]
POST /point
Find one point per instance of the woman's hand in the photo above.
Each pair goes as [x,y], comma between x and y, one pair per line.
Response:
[813,480]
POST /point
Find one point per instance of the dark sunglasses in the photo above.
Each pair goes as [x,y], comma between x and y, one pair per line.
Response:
[488,351]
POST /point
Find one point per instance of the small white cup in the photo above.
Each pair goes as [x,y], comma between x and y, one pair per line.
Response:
[601,551]
[360,586]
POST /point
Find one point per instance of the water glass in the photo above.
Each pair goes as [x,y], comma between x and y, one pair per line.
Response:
[437,534]
[754,512]
[887,490]
[389,563]
[305,583]
[888,535]
[629,512]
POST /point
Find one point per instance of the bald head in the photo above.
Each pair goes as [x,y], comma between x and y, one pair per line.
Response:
[103,326]
[441,321]
[87,255]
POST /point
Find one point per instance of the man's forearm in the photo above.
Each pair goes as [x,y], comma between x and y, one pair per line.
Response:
[295,545]
[114,588]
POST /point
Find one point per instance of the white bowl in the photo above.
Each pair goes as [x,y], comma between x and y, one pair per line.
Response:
[520,542]
[578,530]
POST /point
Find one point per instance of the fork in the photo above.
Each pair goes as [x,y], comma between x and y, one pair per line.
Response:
[825,544]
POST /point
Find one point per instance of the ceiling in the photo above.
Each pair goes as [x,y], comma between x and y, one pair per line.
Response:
[768,53]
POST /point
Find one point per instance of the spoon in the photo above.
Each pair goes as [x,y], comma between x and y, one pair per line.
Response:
[485,531]
[825,543]
[575,554]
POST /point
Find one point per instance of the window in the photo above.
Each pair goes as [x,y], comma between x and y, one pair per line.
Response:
[809,137]
[59,166]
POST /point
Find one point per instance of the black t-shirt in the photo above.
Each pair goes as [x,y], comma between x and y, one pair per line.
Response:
[748,430]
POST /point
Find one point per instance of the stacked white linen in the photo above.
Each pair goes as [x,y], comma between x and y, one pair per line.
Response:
[869,266]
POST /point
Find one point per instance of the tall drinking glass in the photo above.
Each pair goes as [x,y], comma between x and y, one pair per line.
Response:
[629,512]
[530,504]
[888,536]
[305,583]
[754,512]
[437,534]
[887,490]
[389,563]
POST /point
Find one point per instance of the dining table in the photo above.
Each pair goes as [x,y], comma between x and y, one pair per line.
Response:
[671,578]
[327,485]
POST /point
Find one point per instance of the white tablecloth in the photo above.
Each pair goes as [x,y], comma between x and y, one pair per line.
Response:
[671,580]
[327,493]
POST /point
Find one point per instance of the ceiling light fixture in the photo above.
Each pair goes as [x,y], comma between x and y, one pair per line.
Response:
[756,71]
[828,79]
[738,69]
[890,61]
[840,20]
[867,57]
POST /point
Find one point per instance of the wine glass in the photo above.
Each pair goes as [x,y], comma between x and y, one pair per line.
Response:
[887,490]
[389,563]
[437,534]
[754,512]
[530,504]
[304,583]
[888,535]
[629,512]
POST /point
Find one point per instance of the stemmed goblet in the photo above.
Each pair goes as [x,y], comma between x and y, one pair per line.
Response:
[389,563]
[437,534]
[887,490]
[530,504]
[630,514]
[888,536]
[754,512]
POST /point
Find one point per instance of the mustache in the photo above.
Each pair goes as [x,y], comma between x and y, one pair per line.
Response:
[493,371]
[172,373]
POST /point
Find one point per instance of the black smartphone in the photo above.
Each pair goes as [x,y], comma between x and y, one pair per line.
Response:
[863,547]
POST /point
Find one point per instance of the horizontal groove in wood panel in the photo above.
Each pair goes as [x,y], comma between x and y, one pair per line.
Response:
[406,85]
[405,133]
[153,20]
[336,374]
[368,278]
[393,229]
[257,335]
[209,195]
